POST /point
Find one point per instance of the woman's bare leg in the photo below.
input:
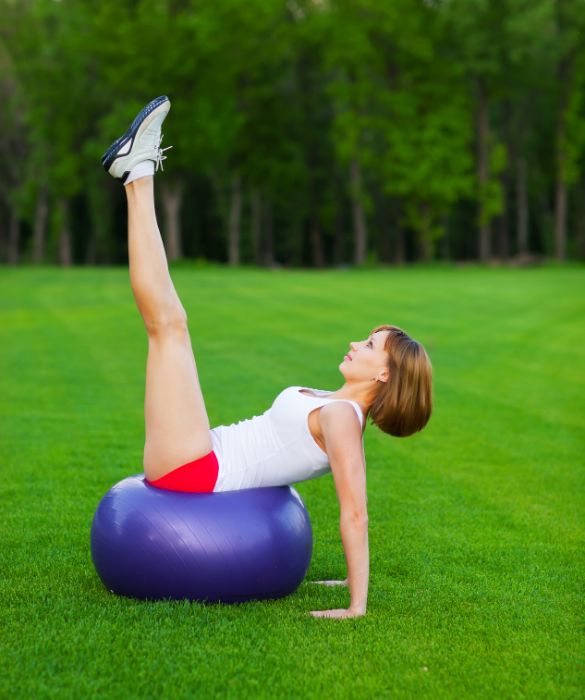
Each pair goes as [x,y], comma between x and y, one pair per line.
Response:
[176,421]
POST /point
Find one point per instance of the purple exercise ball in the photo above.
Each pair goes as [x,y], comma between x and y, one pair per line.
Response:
[225,547]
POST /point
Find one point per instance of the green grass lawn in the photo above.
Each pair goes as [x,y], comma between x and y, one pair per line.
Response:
[476,524]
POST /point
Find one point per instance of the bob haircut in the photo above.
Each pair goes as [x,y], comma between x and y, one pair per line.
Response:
[404,403]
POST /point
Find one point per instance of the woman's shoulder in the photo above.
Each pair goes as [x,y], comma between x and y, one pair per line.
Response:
[340,417]
[342,407]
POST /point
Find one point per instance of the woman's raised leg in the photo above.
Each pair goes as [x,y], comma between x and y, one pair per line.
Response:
[176,421]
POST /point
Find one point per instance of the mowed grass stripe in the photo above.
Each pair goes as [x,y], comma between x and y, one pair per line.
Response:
[476,524]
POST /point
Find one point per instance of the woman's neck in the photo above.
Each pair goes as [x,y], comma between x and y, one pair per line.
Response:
[360,392]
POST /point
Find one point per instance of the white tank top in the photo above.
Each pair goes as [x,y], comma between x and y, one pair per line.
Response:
[275,448]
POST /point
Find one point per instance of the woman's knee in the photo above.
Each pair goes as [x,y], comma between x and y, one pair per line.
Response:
[172,322]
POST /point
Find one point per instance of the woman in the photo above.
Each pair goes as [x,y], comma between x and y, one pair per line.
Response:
[305,433]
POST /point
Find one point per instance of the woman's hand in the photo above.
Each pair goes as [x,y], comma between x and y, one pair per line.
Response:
[338,613]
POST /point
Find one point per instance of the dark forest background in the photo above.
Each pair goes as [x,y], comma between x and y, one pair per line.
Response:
[305,133]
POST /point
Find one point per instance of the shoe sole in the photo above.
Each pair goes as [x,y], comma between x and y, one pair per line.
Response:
[111,154]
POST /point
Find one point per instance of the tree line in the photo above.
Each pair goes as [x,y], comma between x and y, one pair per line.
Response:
[304,132]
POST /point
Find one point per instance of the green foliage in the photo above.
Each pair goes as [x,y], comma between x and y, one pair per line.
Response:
[574,140]
[289,96]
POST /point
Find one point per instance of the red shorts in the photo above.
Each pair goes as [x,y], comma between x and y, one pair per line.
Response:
[199,476]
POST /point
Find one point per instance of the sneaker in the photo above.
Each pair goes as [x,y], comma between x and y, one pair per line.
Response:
[141,142]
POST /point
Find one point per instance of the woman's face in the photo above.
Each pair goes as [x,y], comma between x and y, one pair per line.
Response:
[367,359]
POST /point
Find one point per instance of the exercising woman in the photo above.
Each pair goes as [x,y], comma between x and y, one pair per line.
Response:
[305,433]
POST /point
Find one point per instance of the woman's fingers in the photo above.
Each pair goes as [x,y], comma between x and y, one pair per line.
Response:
[339,613]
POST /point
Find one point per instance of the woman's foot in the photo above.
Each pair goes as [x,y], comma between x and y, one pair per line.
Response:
[137,153]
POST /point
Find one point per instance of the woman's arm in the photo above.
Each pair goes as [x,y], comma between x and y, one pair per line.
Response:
[354,535]
[343,442]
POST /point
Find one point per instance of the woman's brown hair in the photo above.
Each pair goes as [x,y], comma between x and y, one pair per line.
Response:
[404,403]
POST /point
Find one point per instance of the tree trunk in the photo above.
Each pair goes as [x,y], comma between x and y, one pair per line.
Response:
[101,208]
[338,253]
[522,205]
[234,225]
[483,170]
[3,236]
[222,210]
[502,231]
[560,205]
[65,255]
[400,248]
[504,218]
[13,238]
[445,244]
[425,244]
[424,247]
[359,218]
[385,241]
[317,244]
[561,158]
[382,225]
[545,224]
[40,225]
[91,251]
[399,257]
[269,236]
[580,225]
[256,224]
[507,180]
[564,77]
[172,200]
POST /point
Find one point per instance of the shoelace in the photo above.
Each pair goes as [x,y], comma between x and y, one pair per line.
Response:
[159,152]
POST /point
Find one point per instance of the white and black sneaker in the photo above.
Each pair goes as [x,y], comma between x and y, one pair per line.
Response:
[140,143]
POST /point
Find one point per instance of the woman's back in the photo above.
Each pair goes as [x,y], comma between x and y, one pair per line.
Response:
[275,448]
